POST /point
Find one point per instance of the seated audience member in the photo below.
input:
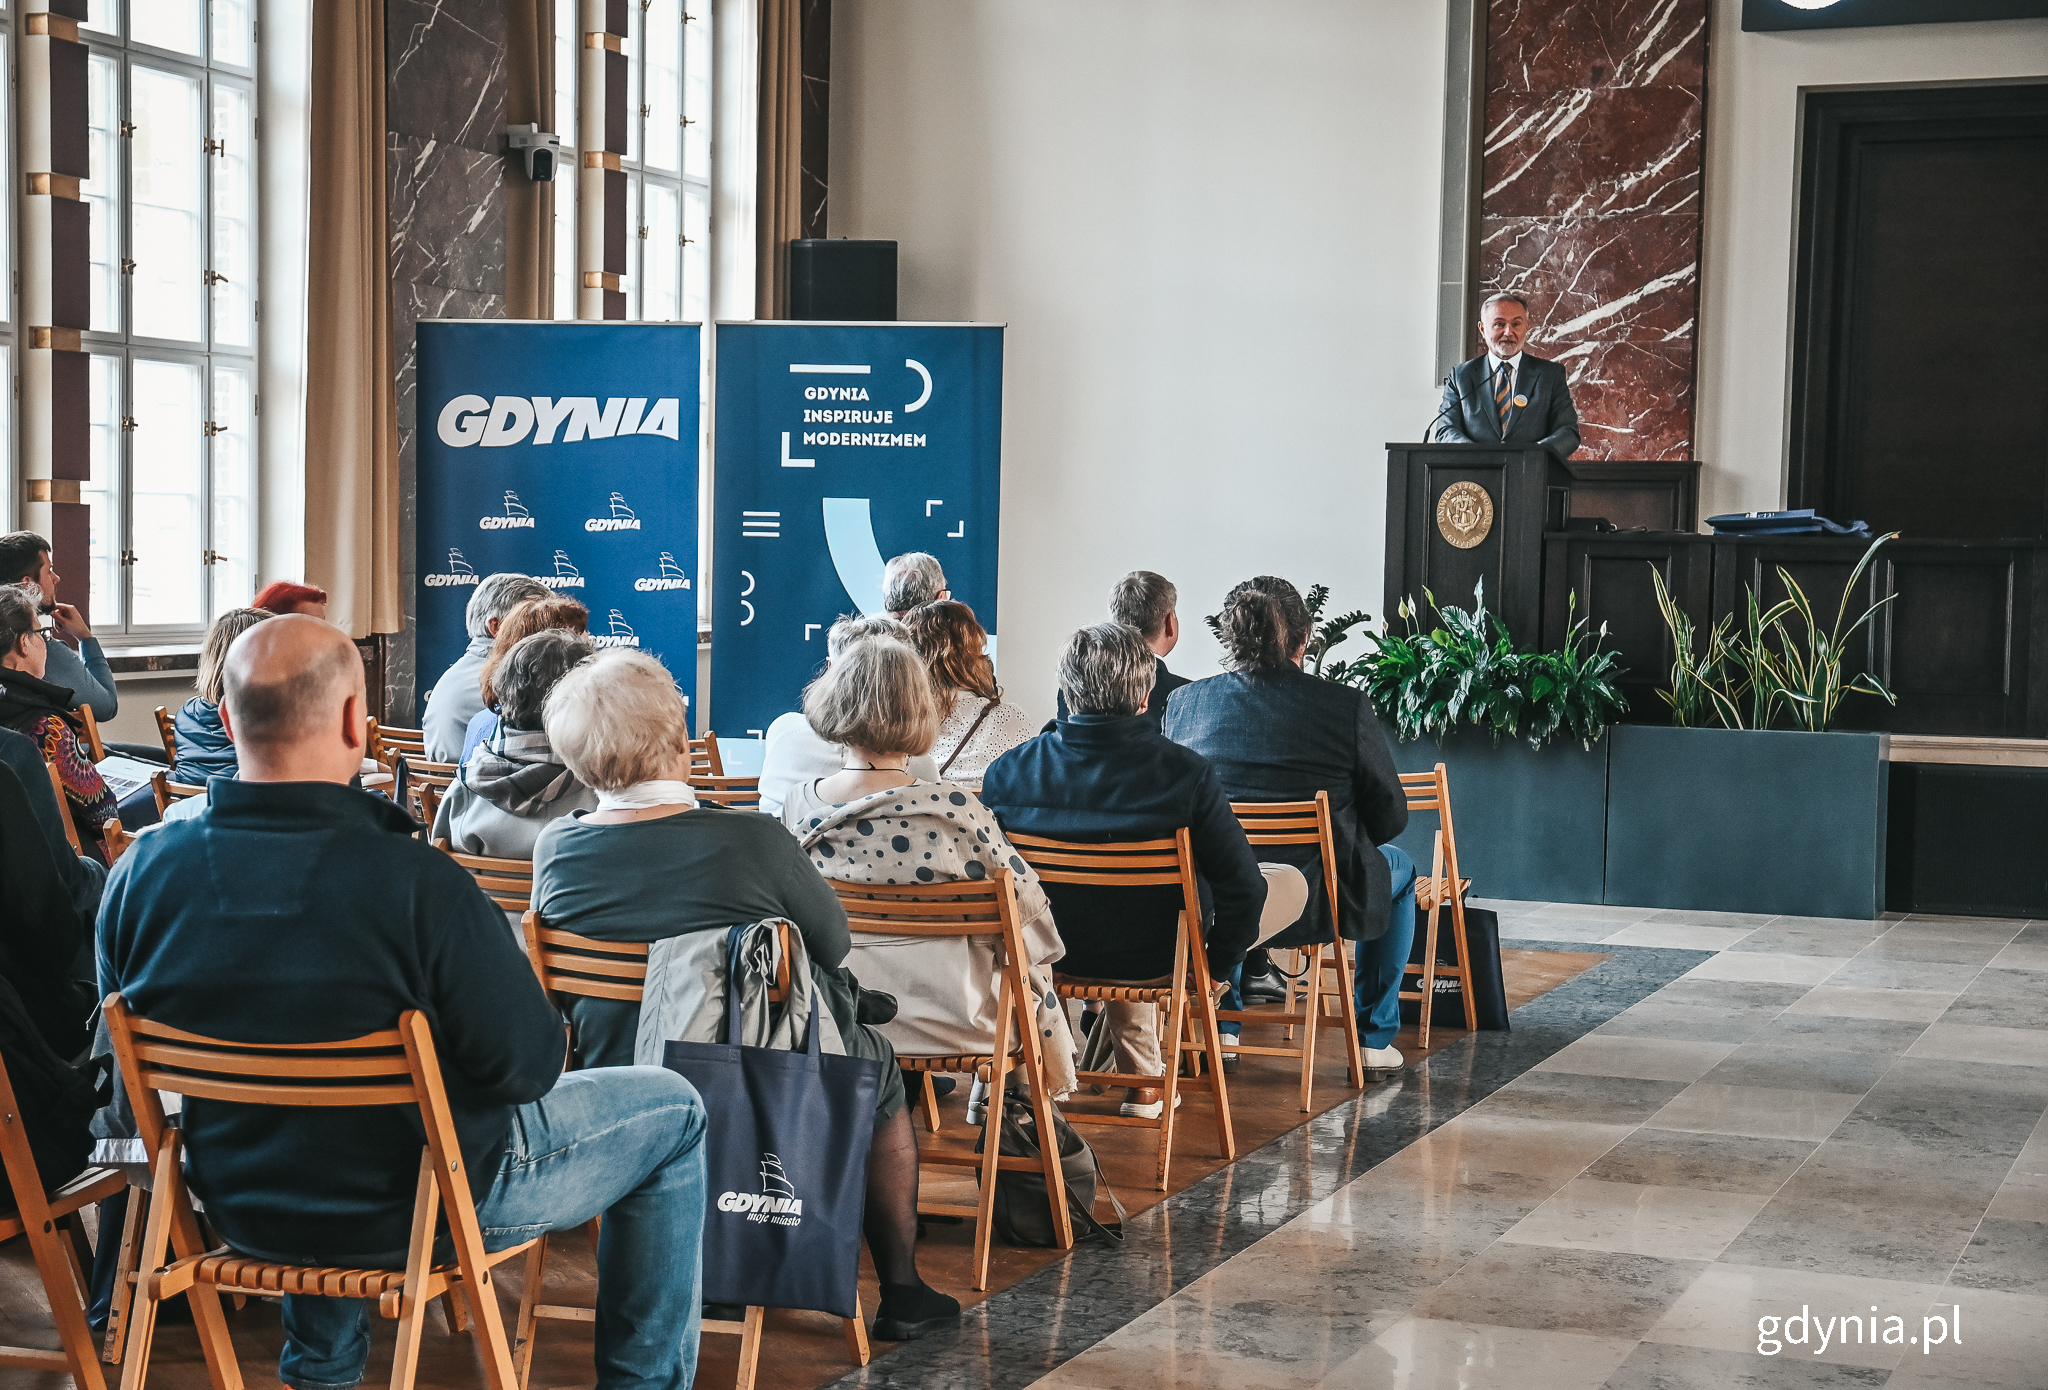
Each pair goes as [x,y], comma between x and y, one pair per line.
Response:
[534,615]
[204,749]
[282,596]
[874,821]
[650,864]
[370,923]
[793,752]
[1145,602]
[456,696]
[1106,773]
[44,940]
[31,705]
[1275,733]
[25,559]
[911,581]
[83,876]
[516,784]
[976,725]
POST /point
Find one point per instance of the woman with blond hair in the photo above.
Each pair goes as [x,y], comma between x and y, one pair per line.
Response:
[875,821]
[651,864]
[204,748]
[976,725]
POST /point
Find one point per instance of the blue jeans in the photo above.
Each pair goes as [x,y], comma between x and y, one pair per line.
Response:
[623,1142]
[1382,962]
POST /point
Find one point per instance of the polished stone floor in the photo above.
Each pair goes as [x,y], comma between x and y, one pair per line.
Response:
[1733,1119]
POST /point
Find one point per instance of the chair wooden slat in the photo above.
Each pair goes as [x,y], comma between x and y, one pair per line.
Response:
[92,732]
[64,807]
[1431,791]
[167,730]
[168,791]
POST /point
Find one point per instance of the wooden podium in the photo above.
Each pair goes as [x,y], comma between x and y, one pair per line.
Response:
[1459,513]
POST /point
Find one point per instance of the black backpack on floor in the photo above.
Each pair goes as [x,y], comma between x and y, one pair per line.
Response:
[1023,1215]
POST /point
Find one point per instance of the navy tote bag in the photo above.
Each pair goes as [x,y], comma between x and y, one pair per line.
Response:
[786,1158]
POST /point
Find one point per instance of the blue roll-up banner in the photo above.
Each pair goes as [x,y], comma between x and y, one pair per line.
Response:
[838,446]
[567,451]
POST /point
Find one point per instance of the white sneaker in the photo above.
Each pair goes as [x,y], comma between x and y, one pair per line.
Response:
[1384,1061]
[1138,1111]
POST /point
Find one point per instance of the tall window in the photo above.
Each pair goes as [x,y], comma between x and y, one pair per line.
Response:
[667,160]
[172,102]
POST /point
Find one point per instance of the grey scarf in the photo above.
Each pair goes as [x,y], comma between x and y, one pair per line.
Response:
[516,771]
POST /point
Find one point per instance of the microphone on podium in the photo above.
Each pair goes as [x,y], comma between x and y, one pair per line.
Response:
[1458,401]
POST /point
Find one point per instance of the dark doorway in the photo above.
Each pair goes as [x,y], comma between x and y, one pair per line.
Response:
[1920,330]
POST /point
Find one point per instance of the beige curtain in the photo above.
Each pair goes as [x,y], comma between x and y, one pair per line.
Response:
[351,410]
[529,206]
[779,204]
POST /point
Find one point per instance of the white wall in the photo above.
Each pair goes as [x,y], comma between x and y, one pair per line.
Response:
[1753,115]
[1212,230]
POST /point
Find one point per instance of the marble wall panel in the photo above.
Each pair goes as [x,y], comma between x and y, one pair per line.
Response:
[1590,203]
[444,105]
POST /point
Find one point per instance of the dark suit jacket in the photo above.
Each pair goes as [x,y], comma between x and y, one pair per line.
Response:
[1284,736]
[1107,777]
[1468,415]
[1164,683]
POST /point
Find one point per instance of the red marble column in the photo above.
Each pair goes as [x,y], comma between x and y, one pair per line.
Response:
[1590,203]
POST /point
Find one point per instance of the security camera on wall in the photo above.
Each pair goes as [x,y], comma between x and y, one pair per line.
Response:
[541,150]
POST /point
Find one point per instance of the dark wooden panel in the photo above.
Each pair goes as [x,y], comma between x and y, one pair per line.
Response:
[1967,839]
[1527,489]
[1652,495]
[1914,405]
[70,152]
[71,417]
[1611,577]
[1949,641]
[70,264]
[615,94]
[71,546]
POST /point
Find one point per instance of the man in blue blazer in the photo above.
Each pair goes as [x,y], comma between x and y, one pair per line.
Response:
[1508,396]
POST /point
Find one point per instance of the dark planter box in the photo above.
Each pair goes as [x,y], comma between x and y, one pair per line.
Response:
[1531,825]
[1746,821]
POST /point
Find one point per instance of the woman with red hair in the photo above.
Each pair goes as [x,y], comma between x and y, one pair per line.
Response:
[283,596]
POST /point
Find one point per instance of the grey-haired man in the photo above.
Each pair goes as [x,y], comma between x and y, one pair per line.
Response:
[1506,395]
[457,696]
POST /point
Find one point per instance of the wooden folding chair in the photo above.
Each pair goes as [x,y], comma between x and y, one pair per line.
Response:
[430,805]
[965,908]
[506,882]
[56,1237]
[168,791]
[704,759]
[1303,823]
[1431,791]
[92,732]
[582,966]
[743,793]
[167,730]
[395,1067]
[387,741]
[1190,999]
[415,772]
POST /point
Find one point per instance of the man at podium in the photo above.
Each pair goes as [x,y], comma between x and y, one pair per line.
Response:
[1508,396]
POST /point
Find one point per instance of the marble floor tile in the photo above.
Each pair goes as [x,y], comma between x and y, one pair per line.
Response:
[1481,1153]
[1846,1001]
[1874,972]
[1706,1162]
[1662,1366]
[1881,1036]
[1428,1354]
[2003,999]
[1761,1111]
[2007,1255]
[2023,1195]
[1536,927]
[1700,917]
[1645,1059]
[2027,953]
[1776,967]
[1596,912]
[1789,1066]
[1784,937]
[1962,1111]
[1657,1017]
[1677,1223]
[1721,1309]
[2000,1348]
[1683,936]
[1504,908]
[1591,1100]
[1938,943]
[1970,1042]
[1546,1289]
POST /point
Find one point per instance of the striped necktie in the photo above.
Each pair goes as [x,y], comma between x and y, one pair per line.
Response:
[1504,385]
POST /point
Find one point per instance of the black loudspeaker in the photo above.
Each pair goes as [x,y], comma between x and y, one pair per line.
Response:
[851,281]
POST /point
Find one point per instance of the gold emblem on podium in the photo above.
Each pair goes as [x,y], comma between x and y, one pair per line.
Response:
[1464,514]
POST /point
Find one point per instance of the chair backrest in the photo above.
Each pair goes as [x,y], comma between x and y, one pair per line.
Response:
[416,772]
[116,838]
[430,804]
[1431,791]
[742,792]
[168,791]
[704,759]
[584,966]
[1295,823]
[92,732]
[167,730]
[387,742]
[63,806]
[506,882]
[1123,864]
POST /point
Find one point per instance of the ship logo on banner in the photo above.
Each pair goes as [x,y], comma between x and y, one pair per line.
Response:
[671,577]
[459,572]
[621,519]
[566,575]
[621,633]
[516,517]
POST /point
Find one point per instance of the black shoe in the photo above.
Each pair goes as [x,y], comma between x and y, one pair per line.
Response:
[910,1311]
[1264,988]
